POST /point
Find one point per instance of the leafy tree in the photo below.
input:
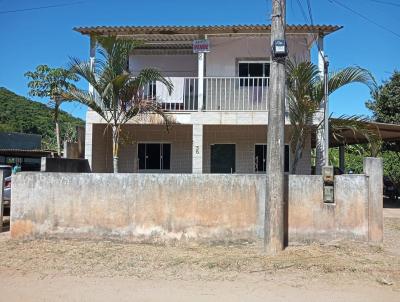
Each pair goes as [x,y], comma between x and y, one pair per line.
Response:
[385,104]
[305,93]
[52,83]
[117,96]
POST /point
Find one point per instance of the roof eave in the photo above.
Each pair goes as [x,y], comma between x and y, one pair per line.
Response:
[224,29]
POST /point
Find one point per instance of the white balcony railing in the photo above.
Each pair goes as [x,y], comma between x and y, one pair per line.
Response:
[219,94]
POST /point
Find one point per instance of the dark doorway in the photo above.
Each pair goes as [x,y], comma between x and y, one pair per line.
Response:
[223,158]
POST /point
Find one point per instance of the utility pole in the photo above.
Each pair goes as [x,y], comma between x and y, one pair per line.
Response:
[274,203]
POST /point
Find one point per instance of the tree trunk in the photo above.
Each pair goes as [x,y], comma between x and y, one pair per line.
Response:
[58,135]
[115,141]
[58,138]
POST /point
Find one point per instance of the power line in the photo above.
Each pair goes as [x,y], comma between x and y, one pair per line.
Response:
[365,17]
[315,34]
[302,11]
[310,12]
[41,7]
[385,2]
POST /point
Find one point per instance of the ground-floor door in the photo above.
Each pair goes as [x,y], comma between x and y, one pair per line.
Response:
[223,158]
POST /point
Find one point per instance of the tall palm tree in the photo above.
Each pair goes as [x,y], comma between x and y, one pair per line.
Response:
[117,95]
[305,94]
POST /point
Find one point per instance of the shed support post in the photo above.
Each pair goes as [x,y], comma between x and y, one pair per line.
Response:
[1,199]
[342,163]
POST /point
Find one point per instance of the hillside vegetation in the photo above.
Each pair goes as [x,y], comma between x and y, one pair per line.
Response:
[20,114]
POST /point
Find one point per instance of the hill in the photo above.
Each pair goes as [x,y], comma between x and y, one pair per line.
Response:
[20,114]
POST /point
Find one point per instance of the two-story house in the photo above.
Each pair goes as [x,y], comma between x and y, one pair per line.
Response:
[219,104]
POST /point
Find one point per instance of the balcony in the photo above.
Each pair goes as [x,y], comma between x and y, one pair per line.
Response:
[219,94]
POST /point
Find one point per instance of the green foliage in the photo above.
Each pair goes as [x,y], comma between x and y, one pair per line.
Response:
[305,92]
[385,106]
[50,82]
[19,114]
[117,95]
[386,101]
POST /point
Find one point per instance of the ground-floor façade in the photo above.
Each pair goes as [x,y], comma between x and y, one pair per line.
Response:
[183,148]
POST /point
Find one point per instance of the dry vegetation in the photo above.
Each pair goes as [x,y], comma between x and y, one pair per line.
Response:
[336,261]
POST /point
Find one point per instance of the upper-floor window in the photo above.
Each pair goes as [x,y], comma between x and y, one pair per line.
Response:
[253,69]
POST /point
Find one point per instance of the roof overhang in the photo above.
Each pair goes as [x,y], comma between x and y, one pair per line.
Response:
[387,133]
[26,153]
[203,30]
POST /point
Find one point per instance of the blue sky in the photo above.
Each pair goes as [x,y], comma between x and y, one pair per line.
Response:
[45,36]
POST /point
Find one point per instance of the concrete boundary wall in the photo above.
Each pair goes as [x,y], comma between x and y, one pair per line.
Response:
[203,207]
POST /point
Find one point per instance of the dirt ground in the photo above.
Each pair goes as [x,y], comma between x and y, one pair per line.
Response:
[73,270]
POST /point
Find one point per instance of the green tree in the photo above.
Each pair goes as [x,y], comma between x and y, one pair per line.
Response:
[385,104]
[117,95]
[19,114]
[305,93]
[52,83]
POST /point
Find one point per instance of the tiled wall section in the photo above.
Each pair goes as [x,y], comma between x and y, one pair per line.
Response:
[180,137]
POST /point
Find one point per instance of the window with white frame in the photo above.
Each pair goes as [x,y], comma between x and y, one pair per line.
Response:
[154,156]
[253,69]
[260,158]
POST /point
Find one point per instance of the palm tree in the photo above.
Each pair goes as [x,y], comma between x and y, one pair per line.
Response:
[52,83]
[305,94]
[117,95]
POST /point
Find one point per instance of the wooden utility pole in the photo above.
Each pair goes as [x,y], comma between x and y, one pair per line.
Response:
[274,203]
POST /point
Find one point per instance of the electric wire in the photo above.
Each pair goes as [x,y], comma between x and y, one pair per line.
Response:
[364,17]
[41,7]
[385,2]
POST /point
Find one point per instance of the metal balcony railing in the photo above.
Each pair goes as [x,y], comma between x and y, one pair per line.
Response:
[219,94]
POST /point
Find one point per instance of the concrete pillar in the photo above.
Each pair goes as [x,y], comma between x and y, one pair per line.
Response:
[197,153]
[92,58]
[342,163]
[321,55]
[200,74]
[88,141]
[320,147]
[373,169]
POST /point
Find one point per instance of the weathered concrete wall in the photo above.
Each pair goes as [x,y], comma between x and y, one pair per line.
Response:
[160,207]
[311,219]
[137,206]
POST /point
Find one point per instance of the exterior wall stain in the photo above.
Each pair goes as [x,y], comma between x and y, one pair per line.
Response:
[181,207]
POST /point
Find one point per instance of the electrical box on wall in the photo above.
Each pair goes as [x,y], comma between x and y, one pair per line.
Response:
[329,194]
[279,49]
[328,175]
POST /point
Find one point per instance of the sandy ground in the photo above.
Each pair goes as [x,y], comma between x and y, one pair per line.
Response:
[72,270]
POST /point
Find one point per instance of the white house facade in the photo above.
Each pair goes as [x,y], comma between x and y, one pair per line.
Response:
[219,105]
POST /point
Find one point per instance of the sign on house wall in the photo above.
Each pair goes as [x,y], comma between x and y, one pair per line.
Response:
[200,46]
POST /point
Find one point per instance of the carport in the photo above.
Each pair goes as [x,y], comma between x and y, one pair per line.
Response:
[386,132]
